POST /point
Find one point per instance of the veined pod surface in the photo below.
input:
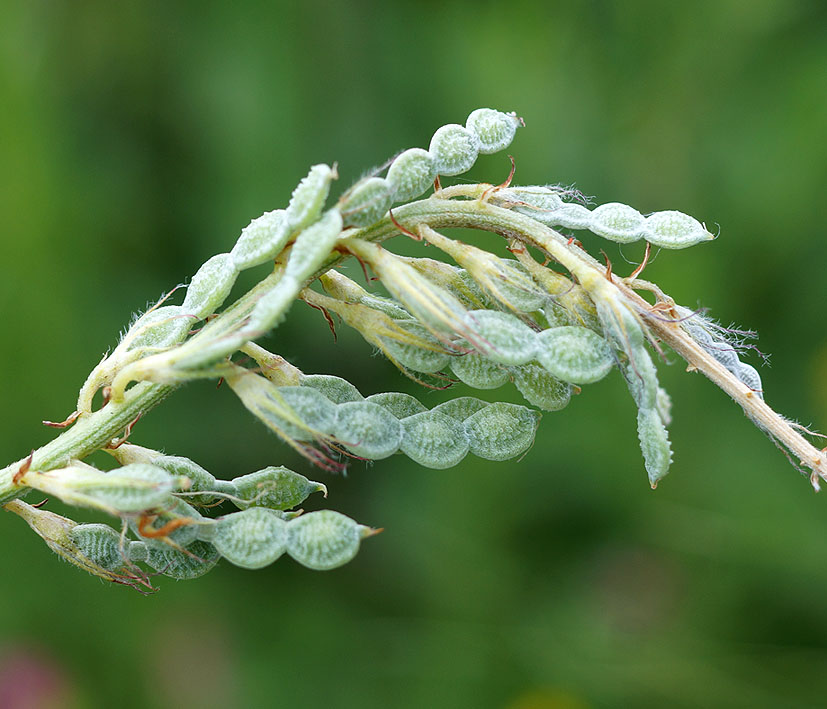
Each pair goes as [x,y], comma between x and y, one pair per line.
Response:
[277,488]
[536,202]
[461,408]
[132,488]
[308,198]
[540,388]
[368,430]
[195,560]
[399,404]
[101,544]
[312,407]
[200,480]
[674,230]
[570,215]
[270,309]
[454,149]
[479,372]
[641,378]
[502,337]
[574,354]
[617,222]
[411,174]
[261,240]
[750,377]
[164,326]
[654,444]
[313,246]
[324,540]
[419,359]
[494,130]
[501,431]
[366,202]
[338,390]
[434,440]
[251,539]
[210,286]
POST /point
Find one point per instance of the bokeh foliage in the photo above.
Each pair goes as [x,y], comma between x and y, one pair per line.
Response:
[139,138]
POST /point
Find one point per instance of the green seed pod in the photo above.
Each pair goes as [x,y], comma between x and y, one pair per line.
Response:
[540,388]
[457,281]
[101,544]
[419,359]
[434,440]
[663,403]
[210,287]
[251,539]
[494,130]
[132,488]
[197,559]
[200,480]
[674,230]
[261,240]
[454,149]
[501,431]
[570,216]
[617,222]
[654,444]
[268,312]
[309,197]
[165,326]
[400,405]
[336,389]
[574,354]
[275,488]
[366,202]
[461,408]
[313,246]
[368,430]
[641,378]
[749,376]
[411,174]
[324,540]
[479,372]
[387,306]
[313,408]
[502,337]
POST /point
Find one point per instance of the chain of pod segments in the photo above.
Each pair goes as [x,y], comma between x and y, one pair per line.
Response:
[331,410]
[453,150]
[614,221]
[724,352]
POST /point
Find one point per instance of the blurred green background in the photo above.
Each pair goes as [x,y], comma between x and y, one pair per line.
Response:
[136,139]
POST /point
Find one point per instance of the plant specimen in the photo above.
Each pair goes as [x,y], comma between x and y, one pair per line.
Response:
[543,314]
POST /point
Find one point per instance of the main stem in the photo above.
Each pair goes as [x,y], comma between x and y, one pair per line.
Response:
[96,430]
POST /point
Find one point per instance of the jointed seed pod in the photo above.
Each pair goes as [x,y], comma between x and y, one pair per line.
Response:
[338,390]
[674,230]
[261,240]
[200,480]
[101,544]
[210,286]
[251,539]
[177,525]
[426,355]
[454,149]
[617,222]
[654,443]
[275,488]
[502,337]
[190,562]
[461,408]
[308,198]
[479,372]
[494,130]
[366,202]
[457,281]
[324,540]
[162,327]
[574,354]
[540,388]
[313,409]
[399,404]
[501,431]
[434,440]
[313,246]
[411,174]
[368,430]
[750,377]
